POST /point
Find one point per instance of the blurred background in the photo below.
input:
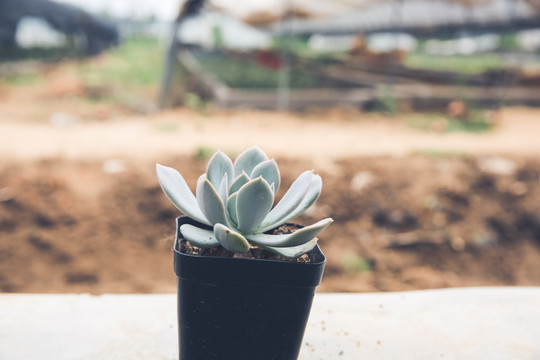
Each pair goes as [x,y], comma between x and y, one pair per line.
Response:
[421,116]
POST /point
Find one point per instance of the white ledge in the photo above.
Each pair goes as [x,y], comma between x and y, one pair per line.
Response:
[472,323]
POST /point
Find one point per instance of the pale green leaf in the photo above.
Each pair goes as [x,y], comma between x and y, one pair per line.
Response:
[240,181]
[253,203]
[219,165]
[210,203]
[201,178]
[247,160]
[299,237]
[292,252]
[176,189]
[290,201]
[231,208]
[312,194]
[269,171]
[199,237]
[231,240]
[223,189]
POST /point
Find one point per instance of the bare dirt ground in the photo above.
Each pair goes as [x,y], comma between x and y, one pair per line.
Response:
[81,210]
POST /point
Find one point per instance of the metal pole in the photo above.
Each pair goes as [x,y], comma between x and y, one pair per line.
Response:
[283,83]
[506,79]
[165,92]
[189,8]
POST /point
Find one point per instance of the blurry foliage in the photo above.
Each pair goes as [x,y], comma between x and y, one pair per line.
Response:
[296,45]
[244,74]
[22,79]
[386,103]
[461,64]
[353,263]
[133,66]
[476,122]
[194,102]
[204,153]
[217,34]
[509,42]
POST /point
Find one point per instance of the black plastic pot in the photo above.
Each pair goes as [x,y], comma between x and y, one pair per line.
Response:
[236,308]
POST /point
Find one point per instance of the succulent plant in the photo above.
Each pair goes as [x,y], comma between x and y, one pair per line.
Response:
[236,200]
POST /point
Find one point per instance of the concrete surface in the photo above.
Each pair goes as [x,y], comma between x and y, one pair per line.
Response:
[474,323]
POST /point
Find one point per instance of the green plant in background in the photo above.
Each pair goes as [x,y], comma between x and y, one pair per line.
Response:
[194,102]
[294,44]
[509,42]
[204,152]
[244,74]
[45,54]
[22,79]
[386,101]
[135,65]
[217,34]
[353,263]
[473,64]
[476,122]
[236,201]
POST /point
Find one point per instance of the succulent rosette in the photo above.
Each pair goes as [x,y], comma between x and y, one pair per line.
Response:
[237,201]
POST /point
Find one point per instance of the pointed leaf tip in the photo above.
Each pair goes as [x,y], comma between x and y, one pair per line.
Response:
[248,159]
[241,180]
[218,166]
[289,202]
[269,171]
[177,191]
[297,238]
[254,201]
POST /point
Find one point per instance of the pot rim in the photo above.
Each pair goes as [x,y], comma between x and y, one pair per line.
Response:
[318,258]
[267,272]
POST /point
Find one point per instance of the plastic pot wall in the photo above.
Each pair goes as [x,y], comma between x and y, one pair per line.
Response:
[235,308]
